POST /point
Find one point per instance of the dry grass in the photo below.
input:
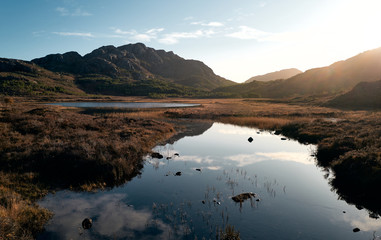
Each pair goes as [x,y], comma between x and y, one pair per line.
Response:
[42,148]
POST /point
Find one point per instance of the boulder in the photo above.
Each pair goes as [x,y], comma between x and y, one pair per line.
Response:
[243,196]
[87,223]
[156,155]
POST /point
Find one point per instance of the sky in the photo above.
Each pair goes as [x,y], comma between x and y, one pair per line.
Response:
[237,39]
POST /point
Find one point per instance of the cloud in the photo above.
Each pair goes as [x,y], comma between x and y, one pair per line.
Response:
[173,38]
[247,33]
[146,36]
[75,12]
[111,214]
[209,24]
[76,34]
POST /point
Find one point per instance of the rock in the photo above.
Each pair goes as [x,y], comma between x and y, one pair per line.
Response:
[156,155]
[168,158]
[356,230]
[243,196]
[176,154]
[178,174]
[283,138]
[87,223]
[203,201]
[198,169]
[250,139]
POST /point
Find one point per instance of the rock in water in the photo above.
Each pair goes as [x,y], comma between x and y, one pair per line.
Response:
[356,230]
[87,223]
[157,155]
[250,139]
[243,196]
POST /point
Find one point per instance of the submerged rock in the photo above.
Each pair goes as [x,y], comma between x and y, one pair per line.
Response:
[87,223]
[156,155]
[243,196]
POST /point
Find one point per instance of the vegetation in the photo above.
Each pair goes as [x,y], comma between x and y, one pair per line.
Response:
[365,95]
[43,148]
[229,233]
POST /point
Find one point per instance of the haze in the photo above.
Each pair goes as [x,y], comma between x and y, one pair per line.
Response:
[237,40]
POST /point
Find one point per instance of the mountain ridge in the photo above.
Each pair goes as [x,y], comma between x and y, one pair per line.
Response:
[135,62]
[277,75]
[336,78]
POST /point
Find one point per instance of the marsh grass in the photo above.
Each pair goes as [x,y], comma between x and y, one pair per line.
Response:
[44,148]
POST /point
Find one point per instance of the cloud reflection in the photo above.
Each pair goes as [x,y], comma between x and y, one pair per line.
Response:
[247,159]
[112,218]
[364,222]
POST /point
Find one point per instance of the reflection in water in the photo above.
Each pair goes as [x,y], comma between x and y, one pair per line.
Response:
[294,198]
[112,217]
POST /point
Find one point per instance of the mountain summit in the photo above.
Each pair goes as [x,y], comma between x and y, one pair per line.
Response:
[134,62]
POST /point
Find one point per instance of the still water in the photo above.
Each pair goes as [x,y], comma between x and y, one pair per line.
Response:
[296,201]
[124,104]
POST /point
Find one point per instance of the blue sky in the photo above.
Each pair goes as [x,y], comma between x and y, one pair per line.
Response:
[237,39]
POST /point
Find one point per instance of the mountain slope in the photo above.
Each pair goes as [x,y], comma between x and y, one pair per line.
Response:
[23,78]
[337,78]
[282,74]
[365,95]
[135,62]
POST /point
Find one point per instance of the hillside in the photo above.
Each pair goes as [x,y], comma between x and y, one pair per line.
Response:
[132,63]
[282,74]
[337,78]
[22,78]
[365,95]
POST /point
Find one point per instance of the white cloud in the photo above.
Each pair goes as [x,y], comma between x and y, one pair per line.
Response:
[146,36]
[247,33]
[155,30]
[173,38]
[76,12]
[63,11]
[209,24]
[76,34]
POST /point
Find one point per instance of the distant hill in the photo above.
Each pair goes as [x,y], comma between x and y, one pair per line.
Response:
[22,78]
[337,78]
[130,64]
[282,74]
[365,95]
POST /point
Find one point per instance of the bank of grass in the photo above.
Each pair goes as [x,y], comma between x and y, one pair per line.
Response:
[43,148]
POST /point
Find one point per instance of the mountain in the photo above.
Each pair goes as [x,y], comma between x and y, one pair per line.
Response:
[131,63]
[22,78]
[365,95]
[282,74]
[334,79]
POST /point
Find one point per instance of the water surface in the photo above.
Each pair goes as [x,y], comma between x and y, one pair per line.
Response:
[124,104]
[296,201]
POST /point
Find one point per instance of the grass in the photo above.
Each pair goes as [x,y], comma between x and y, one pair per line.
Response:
[43,148]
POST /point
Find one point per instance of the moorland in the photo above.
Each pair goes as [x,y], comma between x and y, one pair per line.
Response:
[45,148]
